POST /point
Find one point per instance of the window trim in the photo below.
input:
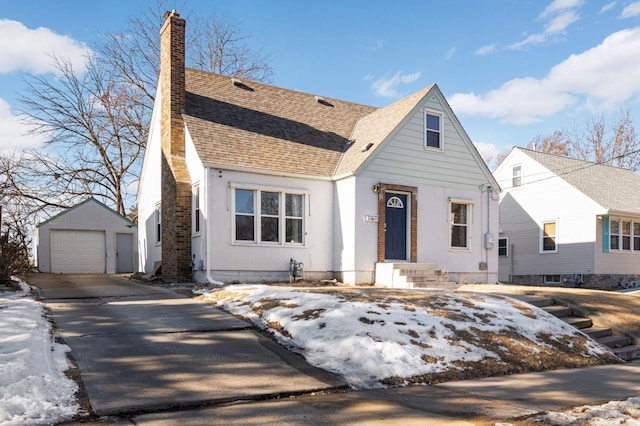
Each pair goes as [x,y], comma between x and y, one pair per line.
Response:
[157,212]
[467,225]
[257,215]
[440,131]
[514,177]
[196,221]
[506,247]
[542,237]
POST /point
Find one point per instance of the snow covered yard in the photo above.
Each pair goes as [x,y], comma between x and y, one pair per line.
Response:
[33,387]
[377,338]
[612,413]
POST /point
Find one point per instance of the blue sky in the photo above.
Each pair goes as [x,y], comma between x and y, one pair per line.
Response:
[511,69]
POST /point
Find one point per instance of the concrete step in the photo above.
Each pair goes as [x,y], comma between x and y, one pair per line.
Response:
[596,333]
[413,266]
[425,279]
[539,301]
[578,322]
[615,341]
[446,285]
[413,272]
[559,310]
[628,353]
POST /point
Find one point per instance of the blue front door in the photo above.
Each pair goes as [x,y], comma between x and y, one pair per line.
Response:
[395,226]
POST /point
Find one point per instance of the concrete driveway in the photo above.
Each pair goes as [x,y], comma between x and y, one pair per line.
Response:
[141,348]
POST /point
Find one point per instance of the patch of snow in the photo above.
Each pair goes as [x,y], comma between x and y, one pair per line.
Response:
[368,341]
[612,413]
[33,387]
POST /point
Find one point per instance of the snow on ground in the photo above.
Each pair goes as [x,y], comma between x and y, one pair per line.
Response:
[33,387]
[612,413]
[369,341]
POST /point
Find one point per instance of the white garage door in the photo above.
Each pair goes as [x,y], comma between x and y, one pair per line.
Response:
[78,252]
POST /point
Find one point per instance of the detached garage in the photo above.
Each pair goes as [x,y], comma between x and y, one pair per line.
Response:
[89,238]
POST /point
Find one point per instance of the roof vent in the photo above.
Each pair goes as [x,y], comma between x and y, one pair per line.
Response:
[323,101]
[238,83]
[367,147]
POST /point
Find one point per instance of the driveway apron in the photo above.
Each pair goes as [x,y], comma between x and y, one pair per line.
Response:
[141,348]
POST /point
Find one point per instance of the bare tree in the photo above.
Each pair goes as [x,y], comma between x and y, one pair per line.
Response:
[96,127]
[605,140]
[96,119]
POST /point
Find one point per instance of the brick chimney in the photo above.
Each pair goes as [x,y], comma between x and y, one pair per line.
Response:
[175,181]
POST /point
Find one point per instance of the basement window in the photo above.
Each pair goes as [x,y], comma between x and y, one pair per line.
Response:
[552,279]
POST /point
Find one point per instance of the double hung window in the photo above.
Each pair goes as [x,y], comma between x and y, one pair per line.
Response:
[460,225]
[433,130]
[269,217]
[549,237]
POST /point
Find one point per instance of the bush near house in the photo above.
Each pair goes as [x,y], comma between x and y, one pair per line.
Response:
[14,255]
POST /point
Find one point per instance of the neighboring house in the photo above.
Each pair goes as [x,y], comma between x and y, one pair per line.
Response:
[88,238]
[240,177]
[567,221]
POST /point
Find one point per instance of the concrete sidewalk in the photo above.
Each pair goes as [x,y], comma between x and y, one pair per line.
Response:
[487,401]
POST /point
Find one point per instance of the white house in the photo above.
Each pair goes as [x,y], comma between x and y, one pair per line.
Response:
[241,177]
[567,221]
[87,238]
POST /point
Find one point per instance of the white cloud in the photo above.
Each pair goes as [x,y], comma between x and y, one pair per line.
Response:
[31,50]
[488,151]
[559,15]
[449,53]
[559,5]
[561,22]
[607,7]
[14,132]
[605,75]
[486,50]
[631,10]
[388,87]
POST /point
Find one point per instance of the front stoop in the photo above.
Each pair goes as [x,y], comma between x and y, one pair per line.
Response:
[412,275]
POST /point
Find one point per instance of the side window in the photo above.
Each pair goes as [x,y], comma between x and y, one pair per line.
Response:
[516,180]
[196,209]
[626,235]
[549,237]
[158,221]
[294,218]
[460,225]
[433,130]
[503,247]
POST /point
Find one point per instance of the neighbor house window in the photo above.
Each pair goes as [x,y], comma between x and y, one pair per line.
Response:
[261,218]
[614,234]
[636,236]
[158,219]
[516,179]
[460,224]
[549,237]
[503,246]
[196,209]
[433,130]
[626,235]
[552,279]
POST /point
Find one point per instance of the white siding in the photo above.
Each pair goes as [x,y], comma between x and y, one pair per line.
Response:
[615,262]
[148,195]
[544,197]
[231,261]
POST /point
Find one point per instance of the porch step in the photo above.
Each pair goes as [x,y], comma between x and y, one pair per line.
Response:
[597,333]
[412,275]
[628,353]
[578,322]
[615,341]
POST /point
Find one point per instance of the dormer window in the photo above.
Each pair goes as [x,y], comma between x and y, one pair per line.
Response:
[433,130]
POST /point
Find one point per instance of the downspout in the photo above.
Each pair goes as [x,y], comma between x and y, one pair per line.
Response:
[208,230]
[486,246]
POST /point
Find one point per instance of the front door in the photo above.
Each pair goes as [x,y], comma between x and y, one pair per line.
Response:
[124,253]
[395,226]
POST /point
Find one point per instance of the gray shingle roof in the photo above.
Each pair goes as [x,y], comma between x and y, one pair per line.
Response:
[612,187]
[254,125]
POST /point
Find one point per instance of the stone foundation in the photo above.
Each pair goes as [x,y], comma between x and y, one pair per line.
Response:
[594,281]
